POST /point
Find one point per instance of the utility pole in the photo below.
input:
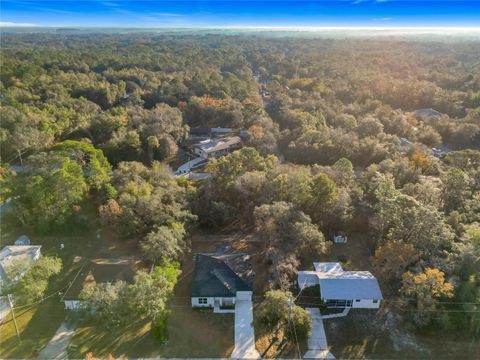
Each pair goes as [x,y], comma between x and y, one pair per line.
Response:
[290,302]
[9,296]
[20,156]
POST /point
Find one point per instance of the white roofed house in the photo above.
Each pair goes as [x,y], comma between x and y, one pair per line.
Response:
[217,147]
[16,260]
[340,289]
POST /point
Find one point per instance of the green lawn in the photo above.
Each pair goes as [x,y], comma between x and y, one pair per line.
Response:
[360,335]
[37,325]
[191,334]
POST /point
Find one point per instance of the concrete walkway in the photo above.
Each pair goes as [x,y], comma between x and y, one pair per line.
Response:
[344,313]
[317,342]
[244,334]
[57,347]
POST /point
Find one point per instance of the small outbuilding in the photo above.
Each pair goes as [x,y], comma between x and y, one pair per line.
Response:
[22,241]
[340,289]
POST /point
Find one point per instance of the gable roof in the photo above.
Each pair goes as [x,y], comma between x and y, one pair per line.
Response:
[427,112]
[350,287]
[335,283]
[214,278]
[100,271]
[212,145]
[327,266]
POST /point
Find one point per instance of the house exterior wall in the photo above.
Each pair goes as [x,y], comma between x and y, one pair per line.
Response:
[200,152]
[210,301]
[366,304]
[72,304]
[355,303]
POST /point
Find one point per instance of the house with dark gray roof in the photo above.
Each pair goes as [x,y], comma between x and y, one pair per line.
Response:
[219,279]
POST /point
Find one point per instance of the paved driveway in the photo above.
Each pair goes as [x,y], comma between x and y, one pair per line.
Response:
[317,342]
[244,334]
[57,347]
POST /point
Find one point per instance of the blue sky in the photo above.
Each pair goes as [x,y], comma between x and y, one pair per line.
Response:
[320,13]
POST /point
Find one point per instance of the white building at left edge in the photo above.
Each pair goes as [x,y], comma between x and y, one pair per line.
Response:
[15,260]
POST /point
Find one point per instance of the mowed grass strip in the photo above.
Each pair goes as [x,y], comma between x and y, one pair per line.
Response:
[192,333]
[37,325]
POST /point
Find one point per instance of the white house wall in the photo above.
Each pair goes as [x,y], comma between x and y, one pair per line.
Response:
[72,304]
[211,301]
[365,304]
[361,304]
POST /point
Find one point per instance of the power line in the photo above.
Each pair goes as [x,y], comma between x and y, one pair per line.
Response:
[290,302]
[42,299]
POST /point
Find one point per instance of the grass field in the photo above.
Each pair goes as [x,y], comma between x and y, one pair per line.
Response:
[361,335]
[37,324]
[192,333]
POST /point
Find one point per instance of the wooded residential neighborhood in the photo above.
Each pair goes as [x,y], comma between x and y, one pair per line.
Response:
[180,187]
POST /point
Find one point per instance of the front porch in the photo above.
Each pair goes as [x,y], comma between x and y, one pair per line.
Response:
[224,306]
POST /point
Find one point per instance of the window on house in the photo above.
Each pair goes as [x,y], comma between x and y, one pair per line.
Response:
[357,300]
[375,301]
[202,300]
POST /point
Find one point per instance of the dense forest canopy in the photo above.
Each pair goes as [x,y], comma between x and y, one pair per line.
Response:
[98,117]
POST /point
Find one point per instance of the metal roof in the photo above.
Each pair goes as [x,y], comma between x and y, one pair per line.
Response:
[350,287]
[336,284]
[212,145]
[327,266]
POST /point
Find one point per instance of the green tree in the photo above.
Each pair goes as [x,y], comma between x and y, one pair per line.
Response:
[323,195]
[150,291]
[278,312]
[46,200]
[33,285]
[107,303]
[164,242]
[400,218]
[119,303]
[148,197]
[288,234]
[95,165]
[456,189]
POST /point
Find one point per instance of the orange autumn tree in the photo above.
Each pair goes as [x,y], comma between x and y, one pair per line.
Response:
[256,131]
[425,288]
[393,258]
[206,100]
[419,161]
